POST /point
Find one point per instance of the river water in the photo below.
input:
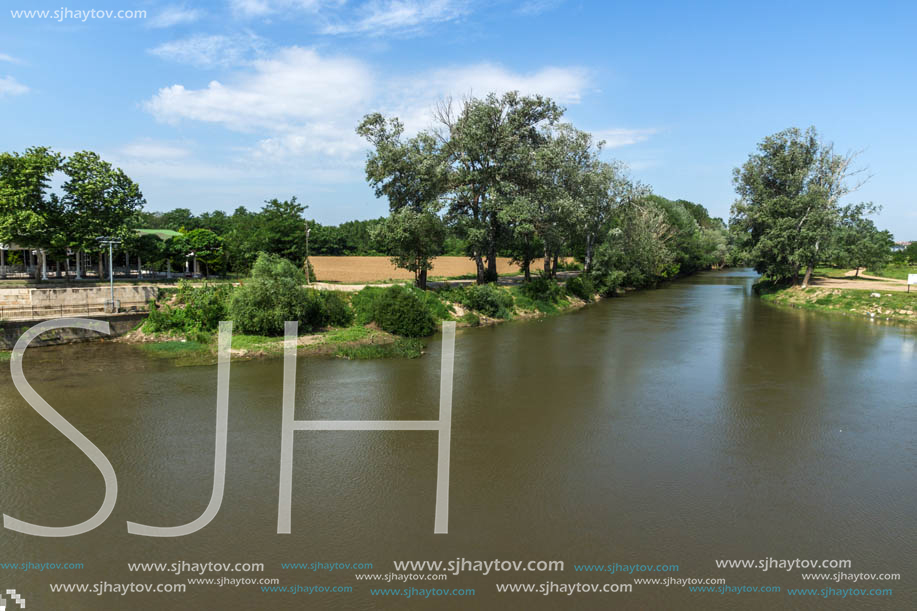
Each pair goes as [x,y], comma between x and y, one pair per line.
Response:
[678,426]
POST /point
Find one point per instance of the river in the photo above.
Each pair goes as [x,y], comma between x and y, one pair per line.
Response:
[676,426]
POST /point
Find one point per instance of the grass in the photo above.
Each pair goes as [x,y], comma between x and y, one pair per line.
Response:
[894,307]
[402,347]
[5,355]
[898,272]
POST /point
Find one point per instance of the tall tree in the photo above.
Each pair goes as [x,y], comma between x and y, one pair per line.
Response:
[99,200]
[488,145]
[412,175]
[29,214]
[789,202]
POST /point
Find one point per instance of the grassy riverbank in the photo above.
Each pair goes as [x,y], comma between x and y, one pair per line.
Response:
[894,307]
[375,322]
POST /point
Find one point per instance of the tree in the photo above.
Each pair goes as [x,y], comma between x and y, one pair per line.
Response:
[788,204]
[99,200]
[411,174]
[413,238]
[488,145]
[206,246]
[859,243]
[29,214]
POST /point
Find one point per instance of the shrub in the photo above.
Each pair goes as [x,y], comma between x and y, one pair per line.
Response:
[542,289]
[471,319]
[488,299]
[275,294]
[337,312]
[398,310]
[198,311]
[606,284]
[364,304]
[581,286]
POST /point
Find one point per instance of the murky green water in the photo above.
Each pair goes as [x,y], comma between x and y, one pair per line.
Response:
[676,426]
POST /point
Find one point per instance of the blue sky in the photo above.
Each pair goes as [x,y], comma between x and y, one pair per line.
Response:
[213,105]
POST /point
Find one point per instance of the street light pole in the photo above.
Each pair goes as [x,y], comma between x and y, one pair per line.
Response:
[111,267]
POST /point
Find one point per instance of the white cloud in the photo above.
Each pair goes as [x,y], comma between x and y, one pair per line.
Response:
[174,15]
[304,106]
[207,51]
[261,8]
[295,87]
[10,86]
[9,58]
[618,137]
[393,16]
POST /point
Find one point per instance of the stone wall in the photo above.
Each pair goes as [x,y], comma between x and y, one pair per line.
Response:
[119,324]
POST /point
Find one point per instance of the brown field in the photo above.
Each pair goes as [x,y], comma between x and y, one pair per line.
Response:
[378,269]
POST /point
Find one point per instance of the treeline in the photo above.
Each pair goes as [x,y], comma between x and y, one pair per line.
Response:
[497,176]
[506,175]
[789,217]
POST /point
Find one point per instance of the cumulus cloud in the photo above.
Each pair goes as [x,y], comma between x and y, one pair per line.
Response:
[207,51]
[9,58]
[174,15]
[10,86]
[301,104]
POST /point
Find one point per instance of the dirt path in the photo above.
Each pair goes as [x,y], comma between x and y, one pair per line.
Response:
[863,282]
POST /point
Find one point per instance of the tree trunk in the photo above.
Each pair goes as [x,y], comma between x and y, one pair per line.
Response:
[492,275]
[587,264]
[808,276]
[479,267]
[422,280]
[527,268]
[101,270]
[857,274]
[554,267]
[547,262]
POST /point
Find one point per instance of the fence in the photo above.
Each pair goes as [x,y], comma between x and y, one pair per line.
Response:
[60,311]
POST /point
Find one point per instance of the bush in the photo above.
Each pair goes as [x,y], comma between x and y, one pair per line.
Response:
[488,299]
[403,347]
[471,319]
[337,312]
[395,309]
[398,310]
[275,294]
[581,286]
[542,289]
[198,311]
[606,284]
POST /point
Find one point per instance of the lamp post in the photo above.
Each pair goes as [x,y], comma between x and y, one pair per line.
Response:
[111,268]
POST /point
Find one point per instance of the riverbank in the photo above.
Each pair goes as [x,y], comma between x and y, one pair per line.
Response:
[876,304]
[371,334]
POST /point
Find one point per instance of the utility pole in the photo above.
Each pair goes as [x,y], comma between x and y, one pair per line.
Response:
[308,275]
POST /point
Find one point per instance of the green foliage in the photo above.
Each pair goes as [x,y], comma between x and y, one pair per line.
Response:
[275,294]
[581,286]
[396,309]
[337,312]
[471,319]
[542,289]
[402,347]
[197,311]
[488,299]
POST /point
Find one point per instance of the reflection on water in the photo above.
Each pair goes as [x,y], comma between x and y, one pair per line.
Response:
[675,426]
